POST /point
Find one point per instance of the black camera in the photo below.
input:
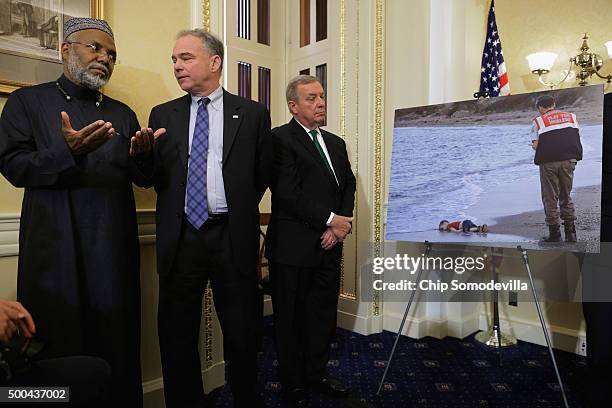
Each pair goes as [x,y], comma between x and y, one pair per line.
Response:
[16,357]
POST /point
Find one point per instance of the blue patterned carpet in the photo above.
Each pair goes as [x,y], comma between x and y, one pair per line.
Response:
[432,373]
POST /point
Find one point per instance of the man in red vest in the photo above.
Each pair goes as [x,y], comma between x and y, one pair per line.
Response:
[556,141]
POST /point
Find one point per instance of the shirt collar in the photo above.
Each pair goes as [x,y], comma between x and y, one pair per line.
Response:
[216,98]
[77,91]
[306,129]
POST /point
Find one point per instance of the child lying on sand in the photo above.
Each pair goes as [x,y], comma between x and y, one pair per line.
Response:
[465,226]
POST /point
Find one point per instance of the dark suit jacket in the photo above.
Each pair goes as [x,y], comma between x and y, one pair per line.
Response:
[246,171]
[304,193]
[606,185]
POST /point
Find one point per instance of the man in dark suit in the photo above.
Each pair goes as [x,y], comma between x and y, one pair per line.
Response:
[313,196]
[210,172]
[596,283]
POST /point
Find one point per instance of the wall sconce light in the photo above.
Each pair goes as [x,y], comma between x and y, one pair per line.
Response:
[586,63]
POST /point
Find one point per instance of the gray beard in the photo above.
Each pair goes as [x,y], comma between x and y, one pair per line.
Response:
[82,76]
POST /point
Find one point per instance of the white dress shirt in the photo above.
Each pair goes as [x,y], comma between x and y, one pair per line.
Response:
[215,189]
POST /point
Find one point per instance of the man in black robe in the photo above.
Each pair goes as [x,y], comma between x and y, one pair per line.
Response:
[78,270]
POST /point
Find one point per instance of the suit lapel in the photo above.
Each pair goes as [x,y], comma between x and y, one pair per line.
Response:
[306,141]
[232,118]
[308,144]
[335,156]
[182,109]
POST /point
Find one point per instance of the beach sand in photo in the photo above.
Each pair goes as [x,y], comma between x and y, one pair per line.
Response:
[531,224]
[527,228]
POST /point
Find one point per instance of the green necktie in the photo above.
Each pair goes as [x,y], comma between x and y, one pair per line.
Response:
[313,133]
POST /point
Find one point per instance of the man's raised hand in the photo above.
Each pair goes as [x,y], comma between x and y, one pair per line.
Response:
[144,140]
[88,138]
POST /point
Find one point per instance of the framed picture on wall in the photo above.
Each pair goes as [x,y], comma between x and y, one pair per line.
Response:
[31,37]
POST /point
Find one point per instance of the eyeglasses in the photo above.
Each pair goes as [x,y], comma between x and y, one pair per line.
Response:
[96,49]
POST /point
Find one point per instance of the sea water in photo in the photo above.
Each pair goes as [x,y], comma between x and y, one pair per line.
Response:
[478,173]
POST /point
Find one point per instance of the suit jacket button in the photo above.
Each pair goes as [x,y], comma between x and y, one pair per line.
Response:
[183,184]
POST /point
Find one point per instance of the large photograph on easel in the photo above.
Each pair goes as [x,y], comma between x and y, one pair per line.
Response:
[520,169]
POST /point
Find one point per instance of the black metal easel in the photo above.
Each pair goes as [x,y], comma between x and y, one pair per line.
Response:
[399,332]
[541,316]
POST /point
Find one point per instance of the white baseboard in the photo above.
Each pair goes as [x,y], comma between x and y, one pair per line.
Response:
[152,385]
[414,327]
[464,327]
[417,328]
[364,325]
[267,306]
[146,226]
[570,340]
[9,234]
[213,377]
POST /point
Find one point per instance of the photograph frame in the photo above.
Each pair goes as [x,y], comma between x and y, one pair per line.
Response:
[28,66]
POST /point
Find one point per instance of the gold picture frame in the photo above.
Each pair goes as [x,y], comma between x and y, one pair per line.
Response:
[30,33]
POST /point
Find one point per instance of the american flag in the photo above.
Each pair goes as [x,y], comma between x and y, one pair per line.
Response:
[493,78]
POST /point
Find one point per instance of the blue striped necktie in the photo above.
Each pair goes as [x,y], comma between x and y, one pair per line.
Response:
[197,201]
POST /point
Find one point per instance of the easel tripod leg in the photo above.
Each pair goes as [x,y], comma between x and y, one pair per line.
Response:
[399,332]
[541,316]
